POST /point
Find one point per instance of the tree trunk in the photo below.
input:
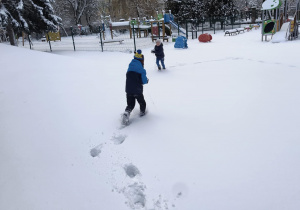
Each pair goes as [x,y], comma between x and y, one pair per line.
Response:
[11,33]
[253,16]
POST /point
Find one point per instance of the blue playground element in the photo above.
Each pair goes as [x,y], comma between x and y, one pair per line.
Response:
[169,18]
[181,42]
[176,26]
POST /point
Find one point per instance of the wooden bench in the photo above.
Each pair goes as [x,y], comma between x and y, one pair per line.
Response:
[231,32]
[163,38]
[241,30]
[112,41]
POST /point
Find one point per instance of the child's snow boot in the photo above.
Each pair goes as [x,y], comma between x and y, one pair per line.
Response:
[125,118]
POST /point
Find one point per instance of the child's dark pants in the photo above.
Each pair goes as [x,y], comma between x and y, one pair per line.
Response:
[131,102]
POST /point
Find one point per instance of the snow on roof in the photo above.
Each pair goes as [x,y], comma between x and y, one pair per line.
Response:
[142,26]
[124,23]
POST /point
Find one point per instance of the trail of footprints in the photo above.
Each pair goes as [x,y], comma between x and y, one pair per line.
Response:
[232,58]
[134,191]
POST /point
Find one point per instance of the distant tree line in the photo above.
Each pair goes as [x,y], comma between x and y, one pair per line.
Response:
[192,9]
[39,16]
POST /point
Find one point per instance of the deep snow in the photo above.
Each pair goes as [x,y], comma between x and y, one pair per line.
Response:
[222,129]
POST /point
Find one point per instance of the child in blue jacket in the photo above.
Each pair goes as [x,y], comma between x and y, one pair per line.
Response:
[135,79]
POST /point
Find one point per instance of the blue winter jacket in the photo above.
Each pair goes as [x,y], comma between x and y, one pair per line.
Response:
[135,78]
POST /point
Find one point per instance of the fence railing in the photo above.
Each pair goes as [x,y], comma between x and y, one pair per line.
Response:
[130,38]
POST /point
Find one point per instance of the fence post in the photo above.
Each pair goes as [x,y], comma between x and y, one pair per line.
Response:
[158,29]
[214,26]
[133,37]
[186,29]
[29,40]
[101,38]
[49,41]
[73,37]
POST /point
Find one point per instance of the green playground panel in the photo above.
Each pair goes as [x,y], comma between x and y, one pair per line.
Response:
[269,27]
[133,22]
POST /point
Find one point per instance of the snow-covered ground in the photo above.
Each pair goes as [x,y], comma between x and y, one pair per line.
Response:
[221,133]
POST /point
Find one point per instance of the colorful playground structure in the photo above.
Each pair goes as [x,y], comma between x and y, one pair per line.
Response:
[160,28]
[277,23]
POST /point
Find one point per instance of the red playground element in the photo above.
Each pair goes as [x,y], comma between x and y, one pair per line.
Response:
[205,38]
[155,30]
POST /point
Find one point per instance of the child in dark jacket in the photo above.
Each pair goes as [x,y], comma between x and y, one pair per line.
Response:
[159,53]
[135,79]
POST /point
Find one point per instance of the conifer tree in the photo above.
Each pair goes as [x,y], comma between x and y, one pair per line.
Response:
[186,9]
[39,15]
[28,15]
[218,8]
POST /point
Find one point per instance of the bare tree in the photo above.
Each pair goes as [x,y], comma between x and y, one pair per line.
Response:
[81,11]
[134,8]
[78,7]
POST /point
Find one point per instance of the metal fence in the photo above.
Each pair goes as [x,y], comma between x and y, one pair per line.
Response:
[130,37]
[115,40]
[194,27]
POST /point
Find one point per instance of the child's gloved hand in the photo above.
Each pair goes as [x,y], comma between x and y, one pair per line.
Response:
[152,51]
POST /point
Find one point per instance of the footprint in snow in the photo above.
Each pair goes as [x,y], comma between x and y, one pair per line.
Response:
[236,58]
[118,139]
[131,170]
[135,195]
[96,151]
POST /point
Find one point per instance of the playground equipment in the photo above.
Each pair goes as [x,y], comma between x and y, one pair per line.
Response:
[169,19]
[205,38]
[276,23]
[141,26]
[105,27]
[137,25]
[155,30]
[181,42]
[124,25]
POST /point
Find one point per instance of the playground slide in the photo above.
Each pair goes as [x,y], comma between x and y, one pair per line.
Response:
[283,34]
[176,26]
